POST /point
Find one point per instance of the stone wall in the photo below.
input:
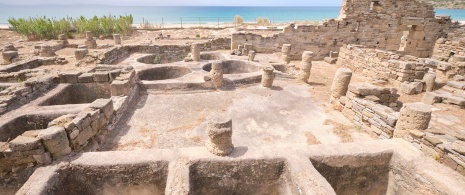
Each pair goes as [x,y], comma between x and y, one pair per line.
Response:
[381,64]
[171,52]
[22,65]
[380,28]
[373,108]
[451,49]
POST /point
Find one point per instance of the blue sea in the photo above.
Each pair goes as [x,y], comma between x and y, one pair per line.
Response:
[186,15]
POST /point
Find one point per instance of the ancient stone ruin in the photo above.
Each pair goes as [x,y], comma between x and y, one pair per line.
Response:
[369,103]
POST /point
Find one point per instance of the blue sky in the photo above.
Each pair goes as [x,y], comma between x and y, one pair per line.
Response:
[183,2]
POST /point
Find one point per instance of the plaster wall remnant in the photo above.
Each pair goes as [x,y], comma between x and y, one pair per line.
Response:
[219,129]
[380,28]
[306,66]
[413,116]
[267,77]
[216,74]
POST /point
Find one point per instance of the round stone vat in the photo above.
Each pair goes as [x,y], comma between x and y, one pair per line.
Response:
[163,73]
[157,59]
[234,67]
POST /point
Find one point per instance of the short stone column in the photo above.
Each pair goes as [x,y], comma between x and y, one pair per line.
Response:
[219,130]
[90,41]
[341,83]
[117,39]
[216,74]
[413,116]
[9,56]
[430,80]
[9,47]
[240,49]
[80,53]
[196,52]
[46,51]
[306,66]
[247,47]
[267,77]
[251,55]
[285,52]
[63,39]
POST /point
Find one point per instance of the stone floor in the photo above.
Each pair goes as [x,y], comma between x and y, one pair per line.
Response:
[284,114]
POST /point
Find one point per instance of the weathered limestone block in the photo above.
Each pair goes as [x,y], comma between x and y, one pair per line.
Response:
[9,56]
[458,58]
[69,77]
[413,116]
[63,39]
[286,49]
[267,77]
[90,41]
[458,146]
[117,39]
[9,47]
[411,88]
[196,52]
[216,74]
[219,130]
[120,88]
[431,98]
[456,84]
[105,105]
[101,77]
[251,55]
[459,78]
[79,54]
[46,51]
[55,141]
[429,79]
[23,143]
[444,66]
[456,100]
[86,78]
[330,60]
[341,82]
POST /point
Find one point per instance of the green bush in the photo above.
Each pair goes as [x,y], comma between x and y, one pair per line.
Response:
[36,28]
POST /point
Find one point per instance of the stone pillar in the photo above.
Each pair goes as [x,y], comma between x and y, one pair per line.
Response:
[63,39]
[413,116]
[306,66]
[9,56]
[46,51]
[117,38]
[285,52]
[251,55]
[196,52]
[247,47]
[90,41]
[341,83]
[240,48]
[219,130]
[267,77]
[430,80]
[216,74]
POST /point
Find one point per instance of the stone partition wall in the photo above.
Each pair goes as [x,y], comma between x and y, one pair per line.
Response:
[171,52]
[380,28]
[452,49]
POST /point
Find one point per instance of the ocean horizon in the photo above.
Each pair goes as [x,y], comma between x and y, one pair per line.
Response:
[188,14]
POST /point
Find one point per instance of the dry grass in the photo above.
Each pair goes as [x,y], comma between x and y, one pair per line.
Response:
[342,131]
[311,139]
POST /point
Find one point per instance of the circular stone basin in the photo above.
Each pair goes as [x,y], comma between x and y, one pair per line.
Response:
[234,67]
[157,59]
[162,73]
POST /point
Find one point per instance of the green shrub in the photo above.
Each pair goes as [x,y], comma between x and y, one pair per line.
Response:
[35,28]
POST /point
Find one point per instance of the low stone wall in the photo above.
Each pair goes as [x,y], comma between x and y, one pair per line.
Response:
[452,50]
[168,52]
[368,106]
[22,65]
[380,64]
[15,96]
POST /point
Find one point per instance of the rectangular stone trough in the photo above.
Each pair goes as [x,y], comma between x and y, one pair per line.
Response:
[239,177]
[12,128]
[78,93]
